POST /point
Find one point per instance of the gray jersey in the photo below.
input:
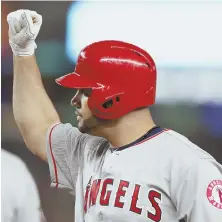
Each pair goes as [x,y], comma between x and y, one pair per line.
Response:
[164,177]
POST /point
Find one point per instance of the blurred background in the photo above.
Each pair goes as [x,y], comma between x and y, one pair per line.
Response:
[184,39]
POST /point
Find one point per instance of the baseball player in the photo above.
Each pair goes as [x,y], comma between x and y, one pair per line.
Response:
[20,198]
[122,166]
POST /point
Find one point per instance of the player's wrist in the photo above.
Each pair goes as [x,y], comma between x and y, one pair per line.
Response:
[23,51]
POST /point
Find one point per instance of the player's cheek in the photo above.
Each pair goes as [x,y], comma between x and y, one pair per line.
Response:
[86,111]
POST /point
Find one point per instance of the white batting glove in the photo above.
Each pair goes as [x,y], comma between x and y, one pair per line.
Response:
[24,26]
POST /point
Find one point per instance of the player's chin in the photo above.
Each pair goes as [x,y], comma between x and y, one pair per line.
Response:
[82,126]
[87,125]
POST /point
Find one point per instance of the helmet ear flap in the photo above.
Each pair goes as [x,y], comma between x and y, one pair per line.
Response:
[105,103]
[109,103]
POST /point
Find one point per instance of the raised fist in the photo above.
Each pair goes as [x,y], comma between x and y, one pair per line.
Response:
[24,26]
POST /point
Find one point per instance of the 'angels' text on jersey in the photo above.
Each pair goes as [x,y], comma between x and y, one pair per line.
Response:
[101,186]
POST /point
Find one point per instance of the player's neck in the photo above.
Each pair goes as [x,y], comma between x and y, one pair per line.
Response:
[128,128]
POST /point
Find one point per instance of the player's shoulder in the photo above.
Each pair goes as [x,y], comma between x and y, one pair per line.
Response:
[94,145]
[67,130]
[179,145]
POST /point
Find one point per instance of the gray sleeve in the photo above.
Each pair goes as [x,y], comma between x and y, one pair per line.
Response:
[65,146]
[198,196]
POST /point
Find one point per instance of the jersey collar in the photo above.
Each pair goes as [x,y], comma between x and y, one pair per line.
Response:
[156,130]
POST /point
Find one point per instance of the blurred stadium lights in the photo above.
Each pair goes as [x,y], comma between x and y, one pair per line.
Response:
[184,39]
[189,85]
[175,33]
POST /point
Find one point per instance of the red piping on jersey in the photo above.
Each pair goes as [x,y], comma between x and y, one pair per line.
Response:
[53,158]
[164,130]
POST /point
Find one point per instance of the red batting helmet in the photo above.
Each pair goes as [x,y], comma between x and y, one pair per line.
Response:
[118,72]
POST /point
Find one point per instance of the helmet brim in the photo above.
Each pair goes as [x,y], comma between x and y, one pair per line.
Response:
[74,80]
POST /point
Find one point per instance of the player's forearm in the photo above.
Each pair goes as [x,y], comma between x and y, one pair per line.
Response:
[33,110]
